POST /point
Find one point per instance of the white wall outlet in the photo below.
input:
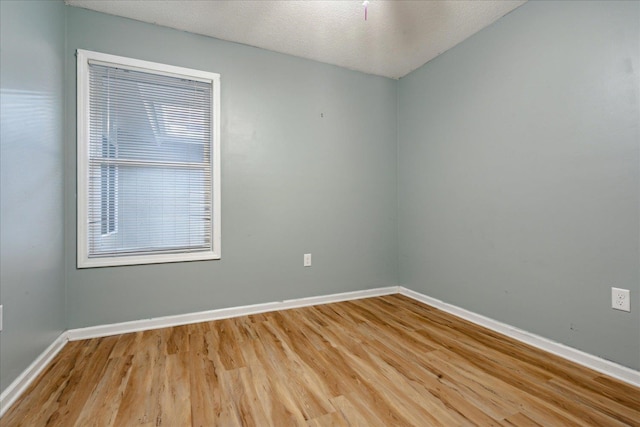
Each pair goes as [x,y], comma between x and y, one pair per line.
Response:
[0,318]
[307,260]
[620,299]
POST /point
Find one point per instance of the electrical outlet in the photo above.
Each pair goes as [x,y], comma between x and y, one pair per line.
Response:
[307,260]
[0,318]
[620,299]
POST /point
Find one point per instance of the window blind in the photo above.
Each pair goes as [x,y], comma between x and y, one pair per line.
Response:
[149,163]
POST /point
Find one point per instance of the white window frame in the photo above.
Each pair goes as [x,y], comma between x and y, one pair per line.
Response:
[83,259]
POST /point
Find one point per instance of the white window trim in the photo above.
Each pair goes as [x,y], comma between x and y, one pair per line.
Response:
[83,259]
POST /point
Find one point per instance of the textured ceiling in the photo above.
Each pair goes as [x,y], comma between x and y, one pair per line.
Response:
[397,37]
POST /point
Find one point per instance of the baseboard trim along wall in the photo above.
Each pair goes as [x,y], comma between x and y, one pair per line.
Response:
[17,387]
[223,313]
[580,357]
[20,384]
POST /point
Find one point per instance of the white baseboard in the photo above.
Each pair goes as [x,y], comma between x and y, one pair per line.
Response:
[223,313]
[17,387]
[596,363]
[20,384]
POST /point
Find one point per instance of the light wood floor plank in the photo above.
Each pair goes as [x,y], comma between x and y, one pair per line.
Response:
[204,381]
[107,396]
[384,361]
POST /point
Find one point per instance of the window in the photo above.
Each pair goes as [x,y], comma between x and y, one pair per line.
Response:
[148,162]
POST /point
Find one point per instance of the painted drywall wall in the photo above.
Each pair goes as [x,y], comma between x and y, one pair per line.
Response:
[519,174]
[308,166]
[31,181]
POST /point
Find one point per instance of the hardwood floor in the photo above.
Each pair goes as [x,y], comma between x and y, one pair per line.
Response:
[385,361]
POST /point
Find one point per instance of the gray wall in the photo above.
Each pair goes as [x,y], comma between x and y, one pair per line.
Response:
[31,181]
[519,174]
[308,165]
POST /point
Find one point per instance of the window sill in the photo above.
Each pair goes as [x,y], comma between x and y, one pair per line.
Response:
[146,259]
